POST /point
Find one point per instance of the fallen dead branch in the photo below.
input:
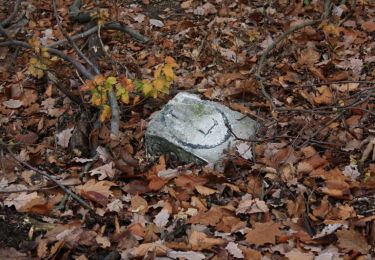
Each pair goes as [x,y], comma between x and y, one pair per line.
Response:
[262,60]
[12,15]
[72,43]
[49,177]
[56,52]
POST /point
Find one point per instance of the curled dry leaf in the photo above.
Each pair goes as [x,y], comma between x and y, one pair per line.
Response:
[156,248]
[13,103]
[233,249]
[205,191]
[104,171]
[103,241]
[115,206]
[324,97]
[23,201]
[138,205]
[188,255]
[64,136]
[162,218]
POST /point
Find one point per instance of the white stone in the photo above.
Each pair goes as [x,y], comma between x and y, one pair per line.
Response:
[194,130]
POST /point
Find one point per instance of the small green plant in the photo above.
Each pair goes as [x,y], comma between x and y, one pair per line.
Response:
[100,85]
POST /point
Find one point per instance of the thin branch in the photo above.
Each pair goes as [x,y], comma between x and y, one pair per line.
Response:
[49,177]
[34,189]
[126,29]
[109,26]
[74,37]
[64,90]
[12,15]
[4,33]
[321,129]
[115,113]
[262,60]
[74,45]
[62,55]
[335,82]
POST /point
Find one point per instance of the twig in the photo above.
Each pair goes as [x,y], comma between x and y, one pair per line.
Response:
[265,54]
[126,29]
[4,33]
[34,189]
[74,37]
[115,113]
[12,15]
[321,129]
[109,26]
[336,82]
[49,177]
[62,55]
[74,45]
[262,59]
[64,90]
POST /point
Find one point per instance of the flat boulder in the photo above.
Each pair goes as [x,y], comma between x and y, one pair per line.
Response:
[193,130]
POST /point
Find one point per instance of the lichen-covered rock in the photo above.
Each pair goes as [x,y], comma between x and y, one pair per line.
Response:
[193,130]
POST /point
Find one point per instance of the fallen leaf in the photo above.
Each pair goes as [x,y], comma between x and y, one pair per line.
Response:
[346,87]
[200,241]
[205,9]
[23,202]
[156,23]
[104,171]
[233,249]
[263,233]
[250,206]
[368,26]
[29,138]
[205,191]
[186,4]
[138,205]
[352,240]
[162,218]
[115,206]
[296,254]
[13,103]
[64,136]
[244,149]
[188,255]
[103,241]
[324,97]
[96,191]
[156,248]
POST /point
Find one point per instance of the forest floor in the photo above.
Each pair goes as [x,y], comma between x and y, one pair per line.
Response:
[302,189]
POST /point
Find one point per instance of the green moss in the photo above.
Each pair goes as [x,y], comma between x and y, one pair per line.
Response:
[200,109]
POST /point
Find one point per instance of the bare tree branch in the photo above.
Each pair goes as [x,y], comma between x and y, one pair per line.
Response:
[62,55]
[12,15]
[78,51]
[261,63]
[109,26]
[49,177]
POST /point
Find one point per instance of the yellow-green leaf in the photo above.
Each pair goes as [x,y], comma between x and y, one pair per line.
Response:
[147,88]
[111,81]
[105,114]
[157,72]
[168,72]
[159,84]
[96,99]
[99,79]
[125,98]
